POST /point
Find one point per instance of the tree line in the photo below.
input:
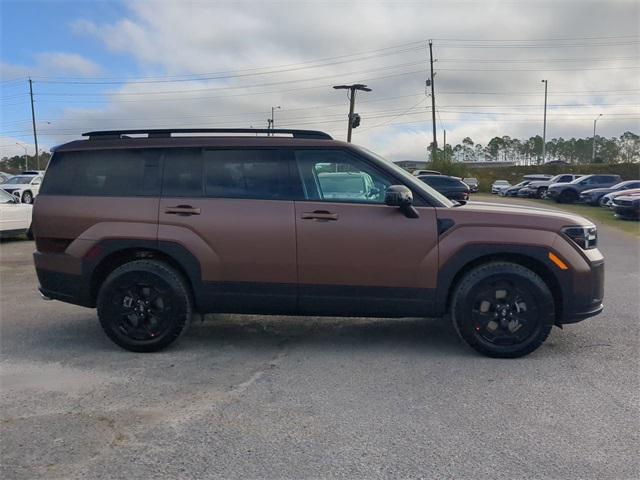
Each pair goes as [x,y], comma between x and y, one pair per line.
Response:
[18,163]
[623,149]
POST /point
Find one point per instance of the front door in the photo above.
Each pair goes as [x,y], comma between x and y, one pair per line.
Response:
[233,210]
[357,256]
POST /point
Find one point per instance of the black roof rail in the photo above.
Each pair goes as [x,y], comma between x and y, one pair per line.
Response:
[167,133]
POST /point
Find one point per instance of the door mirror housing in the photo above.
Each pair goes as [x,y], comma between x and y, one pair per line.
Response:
[402,197]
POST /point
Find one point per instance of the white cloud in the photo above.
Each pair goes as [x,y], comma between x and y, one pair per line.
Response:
[10,146]
[179,38]
[51,64]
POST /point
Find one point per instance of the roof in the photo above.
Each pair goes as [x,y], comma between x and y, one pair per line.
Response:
[117,139]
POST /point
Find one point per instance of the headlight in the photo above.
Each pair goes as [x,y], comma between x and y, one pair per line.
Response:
[584,237]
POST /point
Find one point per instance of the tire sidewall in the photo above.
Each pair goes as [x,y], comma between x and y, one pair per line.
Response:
[155,273]
[462,304]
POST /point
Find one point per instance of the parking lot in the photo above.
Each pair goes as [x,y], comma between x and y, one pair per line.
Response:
[273,397]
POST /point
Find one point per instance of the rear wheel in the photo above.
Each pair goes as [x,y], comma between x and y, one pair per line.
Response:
[144,306]
[503,310]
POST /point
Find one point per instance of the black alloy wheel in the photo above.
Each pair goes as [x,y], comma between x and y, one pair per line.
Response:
[144,306]
[503,309]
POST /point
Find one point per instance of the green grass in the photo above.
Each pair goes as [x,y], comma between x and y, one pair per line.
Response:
[598,215]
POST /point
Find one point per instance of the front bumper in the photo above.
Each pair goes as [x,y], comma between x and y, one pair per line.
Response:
[587,295]
[553,194]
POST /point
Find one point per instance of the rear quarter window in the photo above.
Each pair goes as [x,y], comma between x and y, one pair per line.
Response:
[119,173]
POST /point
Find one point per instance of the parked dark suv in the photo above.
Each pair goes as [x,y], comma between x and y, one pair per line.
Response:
[570,192]
[153,228]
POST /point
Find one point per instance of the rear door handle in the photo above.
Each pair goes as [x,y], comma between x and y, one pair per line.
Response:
[182,210]
[319,215]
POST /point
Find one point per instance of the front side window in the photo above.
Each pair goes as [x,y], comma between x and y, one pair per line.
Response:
[337,176]
[6,197]
[249,173]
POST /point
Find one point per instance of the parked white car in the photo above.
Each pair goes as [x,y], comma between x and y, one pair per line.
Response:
[499,185]
[24,187]
[15,217]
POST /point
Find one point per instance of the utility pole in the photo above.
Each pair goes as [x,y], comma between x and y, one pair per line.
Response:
[352,101]
[544,125]
[433,104]
[444,146]
[593,148]
[33,121]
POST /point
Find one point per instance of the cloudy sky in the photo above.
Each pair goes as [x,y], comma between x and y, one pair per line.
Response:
[124,64]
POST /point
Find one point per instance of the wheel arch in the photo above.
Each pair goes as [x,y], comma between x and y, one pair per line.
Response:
[535,259]
[111,254]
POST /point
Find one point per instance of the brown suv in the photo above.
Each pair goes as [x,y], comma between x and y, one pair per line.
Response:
[151,227]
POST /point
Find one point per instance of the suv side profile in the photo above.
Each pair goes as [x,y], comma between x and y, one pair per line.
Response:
[153,229]
[538,189]
[570,192]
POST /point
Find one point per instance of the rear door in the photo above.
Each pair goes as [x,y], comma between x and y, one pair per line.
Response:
[89,196]
[233,210]
[357,256]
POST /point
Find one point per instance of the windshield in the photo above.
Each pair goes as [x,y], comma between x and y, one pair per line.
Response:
[409,180]
[5,197]
[501,182]
[19,180]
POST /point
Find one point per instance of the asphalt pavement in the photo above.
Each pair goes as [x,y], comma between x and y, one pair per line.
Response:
[291,397]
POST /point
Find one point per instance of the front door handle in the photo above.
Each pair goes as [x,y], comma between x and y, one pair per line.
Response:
[319,215]
[182,210]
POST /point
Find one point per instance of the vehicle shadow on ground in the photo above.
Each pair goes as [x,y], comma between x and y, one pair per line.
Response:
[82,336]
[415,333]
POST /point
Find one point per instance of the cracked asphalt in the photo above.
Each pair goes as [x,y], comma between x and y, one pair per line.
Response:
[290,397]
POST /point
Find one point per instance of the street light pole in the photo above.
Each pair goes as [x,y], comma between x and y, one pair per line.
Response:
[544,125]
[273,125]
[593,148]
[25,154]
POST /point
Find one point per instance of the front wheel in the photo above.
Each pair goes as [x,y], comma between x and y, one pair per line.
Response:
[27,197]
[144,306]
[503,310]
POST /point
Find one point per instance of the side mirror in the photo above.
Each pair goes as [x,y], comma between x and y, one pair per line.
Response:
[16,197]
[402,197]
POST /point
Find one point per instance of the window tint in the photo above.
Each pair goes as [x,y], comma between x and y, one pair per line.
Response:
[182,175]
[335,175]
[126,173]
[250,173]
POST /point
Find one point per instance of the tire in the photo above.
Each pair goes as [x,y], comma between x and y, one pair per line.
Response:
[541,192]
[567,196]
[502,310]
[30,234]
[144,306]
[27,197]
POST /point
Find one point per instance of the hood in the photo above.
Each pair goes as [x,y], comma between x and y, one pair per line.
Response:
[633,191]
[539,183]
[514,216]
[558,185]
[596,190]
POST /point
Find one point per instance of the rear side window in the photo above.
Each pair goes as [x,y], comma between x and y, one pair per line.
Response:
[249,173]
[113,173]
